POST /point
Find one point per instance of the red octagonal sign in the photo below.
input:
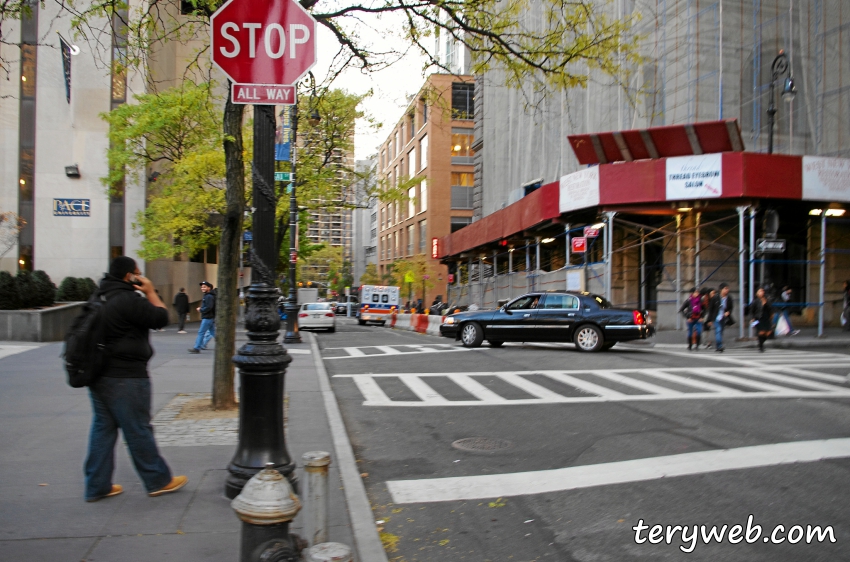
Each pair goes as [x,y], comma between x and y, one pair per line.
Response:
[263,41]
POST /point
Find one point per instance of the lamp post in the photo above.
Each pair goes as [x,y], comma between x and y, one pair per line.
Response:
[778,68]
[292,335]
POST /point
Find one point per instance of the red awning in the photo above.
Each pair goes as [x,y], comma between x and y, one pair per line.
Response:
[658,142]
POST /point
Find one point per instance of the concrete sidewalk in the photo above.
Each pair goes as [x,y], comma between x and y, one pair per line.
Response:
[807,338]
[44,428]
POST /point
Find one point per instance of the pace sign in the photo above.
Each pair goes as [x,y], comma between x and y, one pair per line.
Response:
[268,42]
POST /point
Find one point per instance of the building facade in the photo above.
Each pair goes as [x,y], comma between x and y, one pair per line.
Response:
[364,221]
[429,152]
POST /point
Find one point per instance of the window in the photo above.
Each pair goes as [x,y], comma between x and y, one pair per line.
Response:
[212,254]
[462,190]
[461,145]
[424,111]
[385,298]
[397,246]
[423,236]
[383,217]
[383,247]
[411,120]
[463,98]
[460,222]
[383,159]
[398,143]
[411,162]
[423,152]
[423,196]
[410,240]
[119,57]
[558,302]
[524,303]
[462,178]
[411,201]
[397,209]
[376,297]
[395,176]
[389,214]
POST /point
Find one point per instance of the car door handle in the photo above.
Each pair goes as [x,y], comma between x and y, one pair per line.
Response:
[571,314]
[526,315]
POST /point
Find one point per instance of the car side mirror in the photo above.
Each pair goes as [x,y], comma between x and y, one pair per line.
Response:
[506,310]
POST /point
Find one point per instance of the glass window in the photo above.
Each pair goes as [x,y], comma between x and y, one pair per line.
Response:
[423,196]
[461,143]
[376,297]
[424,111]
[461,197]
[385,298]
[463,104]
[410,236]
[462,178]
[459,222]
[423,236]
[398,144]
[397,246]
[317,306]
[524,303]
[28,71]
[423,152]
[411,201]
[559,302]
[411,162]
[411,120]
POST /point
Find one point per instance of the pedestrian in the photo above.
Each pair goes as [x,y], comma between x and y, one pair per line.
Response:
[181,305]
[845,309]
[720,315]
[693,311]
[762,312]
[121,396]
[207,309]
[783,311]
[706,294]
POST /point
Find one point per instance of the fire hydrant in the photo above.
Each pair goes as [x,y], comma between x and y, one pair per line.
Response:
[266,506]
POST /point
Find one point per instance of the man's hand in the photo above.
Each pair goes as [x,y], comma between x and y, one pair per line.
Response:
[146,286]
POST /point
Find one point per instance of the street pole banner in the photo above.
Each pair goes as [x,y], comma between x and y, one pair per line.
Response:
[263,94]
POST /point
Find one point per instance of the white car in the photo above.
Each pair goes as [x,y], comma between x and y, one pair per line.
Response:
[316,315]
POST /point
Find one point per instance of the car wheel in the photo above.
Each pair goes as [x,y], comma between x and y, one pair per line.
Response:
[495,343]
[471,335]
[361,322]
[332,330]
[609,345]
[589,338]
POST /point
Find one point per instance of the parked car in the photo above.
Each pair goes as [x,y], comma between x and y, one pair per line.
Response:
[342,307]
[316,315]
[588,320]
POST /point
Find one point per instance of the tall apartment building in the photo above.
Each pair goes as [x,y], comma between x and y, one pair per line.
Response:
[432,142]
[364,221]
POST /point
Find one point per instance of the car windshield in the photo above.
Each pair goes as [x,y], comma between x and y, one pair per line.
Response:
[317,306]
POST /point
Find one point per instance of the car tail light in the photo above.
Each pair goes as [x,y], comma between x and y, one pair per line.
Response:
[638,317]
[329,314]
[303,315]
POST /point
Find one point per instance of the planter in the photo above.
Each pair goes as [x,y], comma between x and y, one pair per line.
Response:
[46,324]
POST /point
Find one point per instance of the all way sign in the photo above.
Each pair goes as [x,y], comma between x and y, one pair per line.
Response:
[262,94]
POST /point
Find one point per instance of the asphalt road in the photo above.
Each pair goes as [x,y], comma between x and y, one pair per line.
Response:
[541,452]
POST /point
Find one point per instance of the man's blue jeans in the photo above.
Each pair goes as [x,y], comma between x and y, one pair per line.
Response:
[205,333]
[718,334]
[694,327]
[125,404]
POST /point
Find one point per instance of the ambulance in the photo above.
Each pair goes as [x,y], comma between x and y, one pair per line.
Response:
[377,302]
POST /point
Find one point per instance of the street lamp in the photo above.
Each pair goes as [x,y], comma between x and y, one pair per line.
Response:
[778,68]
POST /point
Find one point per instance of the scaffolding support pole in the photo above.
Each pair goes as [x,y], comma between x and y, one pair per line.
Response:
[536,260]
[678,268]
[609,250]
[511,263]
[742,214]
[752,293]
[481,280]
[528,280]
[643,270]
[822,288]
[495,276]
[566,256]
[697,281]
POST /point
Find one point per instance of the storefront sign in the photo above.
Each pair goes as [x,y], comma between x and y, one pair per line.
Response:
[579,190]
[579,245]
[591,232]
[826,179]
[72,207]
[694,177]
[435,248]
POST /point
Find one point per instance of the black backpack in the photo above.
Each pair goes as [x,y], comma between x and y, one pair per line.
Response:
[85,344]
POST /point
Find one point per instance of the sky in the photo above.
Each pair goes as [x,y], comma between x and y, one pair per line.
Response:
[391,85]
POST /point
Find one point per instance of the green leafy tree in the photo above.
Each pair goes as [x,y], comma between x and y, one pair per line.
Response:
[370,275]
[8,292]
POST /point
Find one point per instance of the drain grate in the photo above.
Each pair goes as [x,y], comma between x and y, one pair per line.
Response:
[482,444]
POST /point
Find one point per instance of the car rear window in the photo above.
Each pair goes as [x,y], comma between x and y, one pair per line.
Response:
[602,302]
[317,306]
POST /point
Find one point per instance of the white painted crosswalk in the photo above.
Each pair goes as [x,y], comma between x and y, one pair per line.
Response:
[332,353]
[595,385]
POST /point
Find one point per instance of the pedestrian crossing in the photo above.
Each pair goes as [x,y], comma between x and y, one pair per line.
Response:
[596,385]
[332,353]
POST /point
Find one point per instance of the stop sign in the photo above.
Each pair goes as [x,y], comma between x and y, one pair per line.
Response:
[263,41]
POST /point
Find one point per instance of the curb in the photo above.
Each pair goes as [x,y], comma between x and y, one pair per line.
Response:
[367,542]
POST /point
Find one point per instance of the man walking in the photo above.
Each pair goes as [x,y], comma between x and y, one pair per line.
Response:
[207,309]
[121,397]
[181,306]
[720,313]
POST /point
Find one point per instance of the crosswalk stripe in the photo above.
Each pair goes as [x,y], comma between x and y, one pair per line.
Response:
[792,380]
[354,351]
[744,382]
[640,385]
[588,387]
[477,389]
[388,349]
[529,386]
[370,390]
[688,381]
[423,391]
[813,374]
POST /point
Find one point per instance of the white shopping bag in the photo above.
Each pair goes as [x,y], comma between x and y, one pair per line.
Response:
[782,328]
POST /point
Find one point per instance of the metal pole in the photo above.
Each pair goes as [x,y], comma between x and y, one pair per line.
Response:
[316,499]
[481,280]
[752,292]
[495,276]
[771,113]
[609,292]
[536,262]
[697,280]
[528,268]
[742,214]
[262,360]
[292,335]
[822,295]
[567,256]
[643,270]
[678,269]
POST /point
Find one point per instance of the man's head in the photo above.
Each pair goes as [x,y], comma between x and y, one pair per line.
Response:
[182,289]
[694,291]
[206,287]
[724,289]
[124,268]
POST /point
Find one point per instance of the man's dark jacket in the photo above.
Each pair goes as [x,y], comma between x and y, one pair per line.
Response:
[128,317]
[181,303]
[208,306]
[714,308]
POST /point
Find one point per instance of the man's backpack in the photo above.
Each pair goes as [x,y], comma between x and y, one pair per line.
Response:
[85,347]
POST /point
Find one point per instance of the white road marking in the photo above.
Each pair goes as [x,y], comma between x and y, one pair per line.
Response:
[353,352]
[9,350]
[386,350]
[298,351]
[798,387]
[638,470]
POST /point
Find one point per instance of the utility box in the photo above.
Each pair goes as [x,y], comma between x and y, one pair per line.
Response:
[308,295]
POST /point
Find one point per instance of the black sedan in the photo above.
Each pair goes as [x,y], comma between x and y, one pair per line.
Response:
[588,320]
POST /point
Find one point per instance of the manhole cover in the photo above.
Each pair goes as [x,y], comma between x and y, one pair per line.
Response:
[482,444]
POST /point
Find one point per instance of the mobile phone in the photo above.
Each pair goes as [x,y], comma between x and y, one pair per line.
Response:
[136,282]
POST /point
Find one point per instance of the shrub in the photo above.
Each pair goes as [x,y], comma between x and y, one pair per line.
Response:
[67,289]
[27,290]
[8,292]
[45,289]
[86,287]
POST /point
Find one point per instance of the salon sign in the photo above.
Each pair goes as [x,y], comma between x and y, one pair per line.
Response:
[694,177]
[72,207]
